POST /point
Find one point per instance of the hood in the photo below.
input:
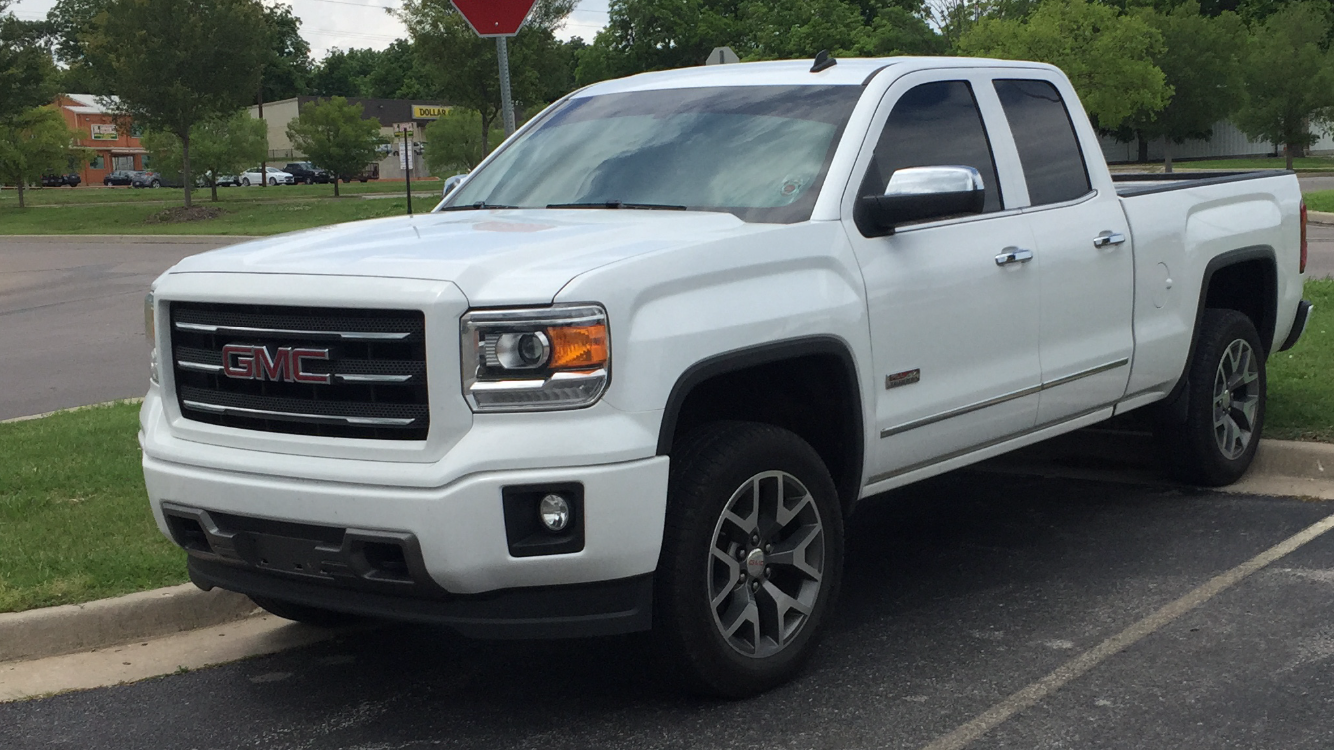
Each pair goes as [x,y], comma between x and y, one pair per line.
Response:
[517,256]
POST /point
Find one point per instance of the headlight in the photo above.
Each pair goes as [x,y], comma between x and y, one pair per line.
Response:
[150,332]
[535,359]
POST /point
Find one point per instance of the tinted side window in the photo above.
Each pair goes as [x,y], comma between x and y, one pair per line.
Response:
[934,124]
[1053,164]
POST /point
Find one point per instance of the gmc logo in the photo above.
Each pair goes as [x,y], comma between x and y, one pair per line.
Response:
[246,362]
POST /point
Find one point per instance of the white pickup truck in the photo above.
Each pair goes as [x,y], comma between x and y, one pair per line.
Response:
[639,368]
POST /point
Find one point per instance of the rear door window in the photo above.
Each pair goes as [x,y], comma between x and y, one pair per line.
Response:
[1049,151]
[934,124]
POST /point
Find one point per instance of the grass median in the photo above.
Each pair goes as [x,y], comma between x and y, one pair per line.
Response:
[75,524]
[74,518]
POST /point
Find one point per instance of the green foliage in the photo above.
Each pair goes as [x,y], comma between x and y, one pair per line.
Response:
[1201,60]
[334,135]
[27,73]
[287,71]
[219,146]
[174,64]
[454,142]
[1289,78]
[68,23]
[465,68]
[34,143]
[1108,56]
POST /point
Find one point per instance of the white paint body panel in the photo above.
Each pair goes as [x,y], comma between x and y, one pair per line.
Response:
[683,287]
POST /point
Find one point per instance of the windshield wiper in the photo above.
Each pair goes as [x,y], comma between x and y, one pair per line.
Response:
[478,206]
[618,204]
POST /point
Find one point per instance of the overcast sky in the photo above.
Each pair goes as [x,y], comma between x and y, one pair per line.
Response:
[327,24]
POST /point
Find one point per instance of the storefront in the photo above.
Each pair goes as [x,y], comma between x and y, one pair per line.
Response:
[114,143]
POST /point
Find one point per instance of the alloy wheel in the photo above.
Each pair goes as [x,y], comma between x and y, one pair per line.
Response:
[1236,399]
[766,564]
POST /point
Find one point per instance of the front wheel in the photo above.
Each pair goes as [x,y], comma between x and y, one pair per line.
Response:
[1225,403]
[245,181]
[273,181]
[156,184]
[751,561]
[320,618]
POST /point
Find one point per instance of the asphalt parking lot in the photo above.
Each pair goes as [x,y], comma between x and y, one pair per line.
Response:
[72,320]
[961,593]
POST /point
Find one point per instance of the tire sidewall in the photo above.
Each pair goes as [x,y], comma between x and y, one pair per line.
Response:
[704,482]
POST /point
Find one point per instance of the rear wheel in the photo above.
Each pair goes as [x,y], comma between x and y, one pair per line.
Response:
[751,560]
[1225,407]
[320,618]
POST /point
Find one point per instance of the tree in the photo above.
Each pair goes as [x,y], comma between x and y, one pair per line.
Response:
[454,143]
[219,146]
[175,64]
[398,73]
[287,71]
[466,69]
[334,135]
[1289,79]
[1108,56]
[1201,61]
[33,143]
[344,73]
[68,24]
[27,73]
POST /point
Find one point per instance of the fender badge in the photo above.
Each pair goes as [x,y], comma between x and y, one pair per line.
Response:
[907,377]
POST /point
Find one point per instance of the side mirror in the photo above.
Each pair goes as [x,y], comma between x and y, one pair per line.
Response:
[453,182]
[920,194]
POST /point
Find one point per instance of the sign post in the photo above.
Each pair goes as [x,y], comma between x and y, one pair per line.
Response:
[405,154]
[500,19]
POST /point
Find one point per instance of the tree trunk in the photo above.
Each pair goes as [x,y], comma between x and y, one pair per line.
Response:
[1287,148]
[1143,145]
[213,185]
[1167,155]
[335,182]
[185,167]
[20,183]
[263,163]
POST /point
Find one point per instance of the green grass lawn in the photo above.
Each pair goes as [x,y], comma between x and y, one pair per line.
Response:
[242,217]
[34,197]
[1320,200]
[74,518]
[1301,380]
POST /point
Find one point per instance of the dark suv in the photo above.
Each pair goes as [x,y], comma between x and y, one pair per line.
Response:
[304,172]
[61,180]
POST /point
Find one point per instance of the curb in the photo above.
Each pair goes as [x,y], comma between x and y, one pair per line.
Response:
[52,631]
[124,239]
[1319,217]
[138,400]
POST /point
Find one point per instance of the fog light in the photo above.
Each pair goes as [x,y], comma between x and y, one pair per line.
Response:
[554,511]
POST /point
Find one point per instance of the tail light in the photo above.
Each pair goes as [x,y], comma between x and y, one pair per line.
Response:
[1301,267]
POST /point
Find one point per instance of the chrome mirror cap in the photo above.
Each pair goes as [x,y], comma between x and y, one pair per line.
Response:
[933,180]
[453,182]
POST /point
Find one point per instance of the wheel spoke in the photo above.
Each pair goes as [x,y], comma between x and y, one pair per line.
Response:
[792,551]
[733,575]
[1247,408]
[776,606]
[742,610]
[785,514]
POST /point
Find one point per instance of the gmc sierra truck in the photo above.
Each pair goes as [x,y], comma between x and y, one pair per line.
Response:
[637,370]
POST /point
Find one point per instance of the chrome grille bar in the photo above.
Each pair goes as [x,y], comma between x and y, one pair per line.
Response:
[285,332]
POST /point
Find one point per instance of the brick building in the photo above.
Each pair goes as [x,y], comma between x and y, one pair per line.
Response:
[114,147]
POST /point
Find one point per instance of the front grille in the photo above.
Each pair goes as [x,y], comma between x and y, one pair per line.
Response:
[375,369]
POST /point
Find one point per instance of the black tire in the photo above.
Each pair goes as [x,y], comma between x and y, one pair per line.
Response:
[320,618]
[156,184]
[245,181]
[273,182]
[710,469]
[1194,449]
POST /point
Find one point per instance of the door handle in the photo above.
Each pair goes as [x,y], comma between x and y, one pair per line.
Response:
[1108,238]
[1014,255]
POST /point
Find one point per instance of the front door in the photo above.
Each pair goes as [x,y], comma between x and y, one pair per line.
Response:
[954,331]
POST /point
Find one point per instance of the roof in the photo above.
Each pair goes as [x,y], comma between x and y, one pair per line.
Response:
[848,72]
[89,104]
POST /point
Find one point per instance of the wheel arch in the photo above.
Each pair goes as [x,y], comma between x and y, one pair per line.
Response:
[734,384]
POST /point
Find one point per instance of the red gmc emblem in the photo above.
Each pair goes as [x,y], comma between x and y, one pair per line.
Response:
[246,362]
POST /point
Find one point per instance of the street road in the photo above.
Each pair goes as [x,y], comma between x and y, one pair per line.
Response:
[959,593]
[72,321]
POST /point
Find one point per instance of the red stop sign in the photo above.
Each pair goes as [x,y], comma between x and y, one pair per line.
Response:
[495,17]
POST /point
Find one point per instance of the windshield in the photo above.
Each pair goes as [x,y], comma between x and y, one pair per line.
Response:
[760,152]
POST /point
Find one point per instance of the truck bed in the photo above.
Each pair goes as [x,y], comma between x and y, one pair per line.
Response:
[1130,184]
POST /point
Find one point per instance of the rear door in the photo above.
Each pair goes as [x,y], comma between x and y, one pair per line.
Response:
[954,333]
[1083,244]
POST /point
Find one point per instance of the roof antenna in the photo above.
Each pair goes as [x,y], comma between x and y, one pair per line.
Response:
[823,61]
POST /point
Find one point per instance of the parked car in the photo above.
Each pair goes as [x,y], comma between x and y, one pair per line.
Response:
[924,263]
[146,179]
[275,176]
[226,180]
[371,172]
[61,180]
[119,177]
[307,173]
